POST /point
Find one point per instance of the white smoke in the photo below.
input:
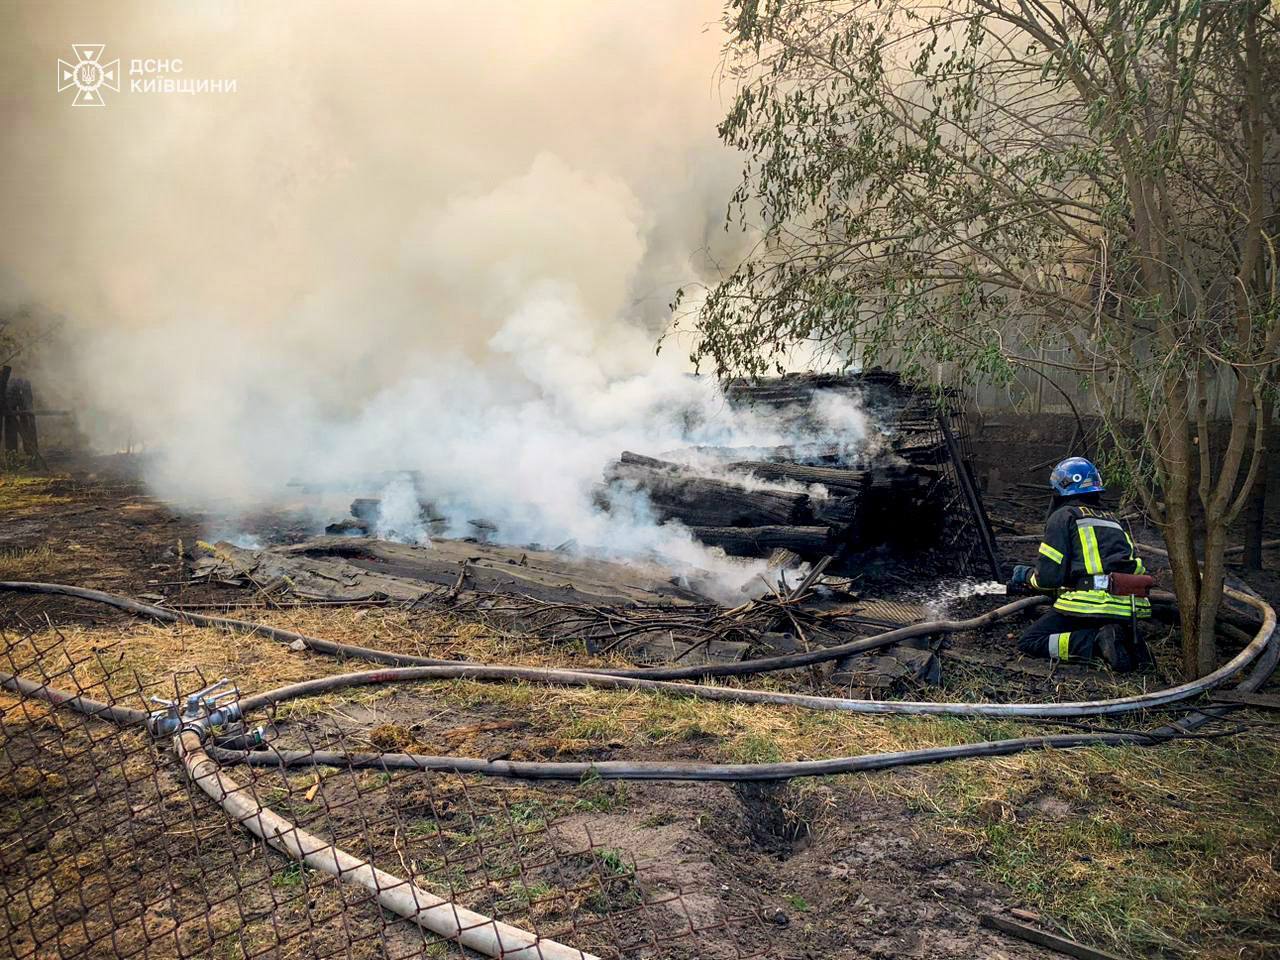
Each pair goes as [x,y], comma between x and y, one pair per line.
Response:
[434,239]
[400,513]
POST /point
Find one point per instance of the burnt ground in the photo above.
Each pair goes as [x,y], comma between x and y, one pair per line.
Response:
[1169,852]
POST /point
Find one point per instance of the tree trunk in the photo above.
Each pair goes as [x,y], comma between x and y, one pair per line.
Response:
[1179,533]
[1211,582]
[1180,541]
[1255,513]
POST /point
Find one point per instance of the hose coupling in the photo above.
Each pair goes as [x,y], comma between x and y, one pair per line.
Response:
[202,712]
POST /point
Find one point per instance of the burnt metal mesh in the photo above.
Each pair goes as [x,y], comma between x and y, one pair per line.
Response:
[968,539]
[108,849]
[889,612]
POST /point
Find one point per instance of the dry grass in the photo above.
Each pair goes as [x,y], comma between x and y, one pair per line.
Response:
[121,661]
[23,493]
[29,564]
[1170,849]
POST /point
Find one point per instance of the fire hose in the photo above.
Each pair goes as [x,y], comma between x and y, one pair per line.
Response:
[487,935]
[761,665]
[645,680]
[402,897]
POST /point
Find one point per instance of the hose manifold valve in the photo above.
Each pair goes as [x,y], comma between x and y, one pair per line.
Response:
[201,712]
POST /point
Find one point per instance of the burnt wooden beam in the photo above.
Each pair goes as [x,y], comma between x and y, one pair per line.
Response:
[763,540]
[1261,701]
[837,480]
[676,493]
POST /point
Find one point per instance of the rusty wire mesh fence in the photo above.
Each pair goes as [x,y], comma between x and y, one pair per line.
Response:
[112,846]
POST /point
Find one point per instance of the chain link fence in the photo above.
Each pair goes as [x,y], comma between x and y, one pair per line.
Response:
[115,842]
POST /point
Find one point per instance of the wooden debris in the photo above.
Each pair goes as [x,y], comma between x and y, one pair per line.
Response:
[837,480]
[355,568]
[1261,701]
[763,540]
[677,493]
[457,584]
[884,488]
[1041,938]
[810,579]
[876,675]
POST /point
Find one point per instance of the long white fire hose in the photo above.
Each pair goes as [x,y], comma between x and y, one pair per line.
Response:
[442,917]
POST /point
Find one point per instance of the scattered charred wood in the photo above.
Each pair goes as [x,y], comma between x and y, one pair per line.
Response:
[893,672]
[1260,701]
[811,454]
[841,513]
[348,528]
[689,636]
[806,541]
[799,388]
[366,509]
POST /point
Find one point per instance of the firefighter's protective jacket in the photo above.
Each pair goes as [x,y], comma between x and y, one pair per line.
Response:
[1081,546]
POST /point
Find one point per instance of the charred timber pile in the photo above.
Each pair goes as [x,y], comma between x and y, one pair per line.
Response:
[677,493]
[825,495]
[902,420]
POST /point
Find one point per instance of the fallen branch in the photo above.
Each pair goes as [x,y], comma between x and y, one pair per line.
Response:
[1042,939]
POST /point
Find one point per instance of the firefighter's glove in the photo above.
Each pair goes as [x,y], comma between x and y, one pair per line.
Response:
[1020,582]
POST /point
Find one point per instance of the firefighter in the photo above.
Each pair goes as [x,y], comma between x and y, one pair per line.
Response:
[1083,545]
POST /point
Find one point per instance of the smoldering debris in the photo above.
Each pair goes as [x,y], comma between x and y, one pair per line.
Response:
[865,470]
[879,482]
[348,569]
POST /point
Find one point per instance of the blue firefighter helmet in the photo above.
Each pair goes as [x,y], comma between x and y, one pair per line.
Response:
[1075,476]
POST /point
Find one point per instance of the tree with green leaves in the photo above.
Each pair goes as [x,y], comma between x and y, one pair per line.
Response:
[960,183]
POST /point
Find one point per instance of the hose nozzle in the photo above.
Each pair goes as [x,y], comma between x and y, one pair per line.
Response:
[202,712]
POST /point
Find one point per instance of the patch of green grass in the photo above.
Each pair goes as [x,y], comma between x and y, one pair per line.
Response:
[755,748]
[425,827]
[521,896]
[371,780]
[1167,850]
[663,818]
[530,814]
[614,861]
[617,882]
[594,726]
[797,902]
[290,876]
[600,796]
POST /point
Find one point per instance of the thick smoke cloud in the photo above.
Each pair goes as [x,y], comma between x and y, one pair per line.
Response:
[420,236]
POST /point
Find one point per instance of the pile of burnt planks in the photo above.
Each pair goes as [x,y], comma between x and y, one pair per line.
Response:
[880,483]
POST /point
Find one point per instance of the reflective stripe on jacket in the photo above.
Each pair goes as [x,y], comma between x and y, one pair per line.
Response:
[1081,543]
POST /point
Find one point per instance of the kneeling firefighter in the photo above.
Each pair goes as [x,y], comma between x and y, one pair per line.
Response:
[1088,561]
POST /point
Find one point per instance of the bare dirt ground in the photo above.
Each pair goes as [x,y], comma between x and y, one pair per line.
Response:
[108,851]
